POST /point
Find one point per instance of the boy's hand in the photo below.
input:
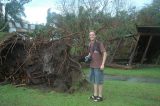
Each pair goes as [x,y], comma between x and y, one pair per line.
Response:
[102,67]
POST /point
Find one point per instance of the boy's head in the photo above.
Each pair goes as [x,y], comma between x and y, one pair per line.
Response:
[92,35]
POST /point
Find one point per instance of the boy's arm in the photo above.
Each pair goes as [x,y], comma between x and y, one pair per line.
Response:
[104,59]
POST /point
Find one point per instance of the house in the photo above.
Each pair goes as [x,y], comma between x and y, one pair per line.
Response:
[21,27]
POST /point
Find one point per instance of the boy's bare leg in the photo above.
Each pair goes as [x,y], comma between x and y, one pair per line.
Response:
[95,90]
[100,89]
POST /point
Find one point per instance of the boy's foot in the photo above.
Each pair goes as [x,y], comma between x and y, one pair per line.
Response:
[93,97]
[98,99]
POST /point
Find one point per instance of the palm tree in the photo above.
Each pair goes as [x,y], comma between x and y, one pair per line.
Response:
[1,10]
[14,10]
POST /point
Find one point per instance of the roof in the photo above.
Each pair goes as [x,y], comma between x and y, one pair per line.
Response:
[149,30]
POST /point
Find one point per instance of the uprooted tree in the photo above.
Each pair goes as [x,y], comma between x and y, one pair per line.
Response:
[39,61]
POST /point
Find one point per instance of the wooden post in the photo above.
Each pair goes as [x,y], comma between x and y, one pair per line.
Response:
[131,48]
[145,52]
[117,47]
[157,59]
[133,53]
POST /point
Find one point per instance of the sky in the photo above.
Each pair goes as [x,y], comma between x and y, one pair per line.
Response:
[36,10]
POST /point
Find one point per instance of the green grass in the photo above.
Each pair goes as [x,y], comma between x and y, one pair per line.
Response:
[2,35]
[116,93]
[152,72]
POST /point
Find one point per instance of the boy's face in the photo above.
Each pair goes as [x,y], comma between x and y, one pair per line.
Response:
[92,36]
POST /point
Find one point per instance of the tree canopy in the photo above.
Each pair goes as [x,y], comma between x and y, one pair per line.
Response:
[13,10]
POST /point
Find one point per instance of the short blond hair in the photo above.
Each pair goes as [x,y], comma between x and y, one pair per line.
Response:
[92,31]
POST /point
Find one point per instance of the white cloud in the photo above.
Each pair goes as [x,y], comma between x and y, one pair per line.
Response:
[141,3]
[36,14]
[36,10]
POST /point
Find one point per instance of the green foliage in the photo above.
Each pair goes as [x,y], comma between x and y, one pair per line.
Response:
[2,22]
[40,30]
[76,50]
[83,16]
[2,35]
[150,15]
[14,10]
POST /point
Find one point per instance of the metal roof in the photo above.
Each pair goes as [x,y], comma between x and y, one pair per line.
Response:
[149,30]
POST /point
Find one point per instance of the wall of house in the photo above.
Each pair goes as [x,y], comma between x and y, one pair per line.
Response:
[17,27]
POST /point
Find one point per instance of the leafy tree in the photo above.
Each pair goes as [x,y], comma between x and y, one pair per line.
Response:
[150,15]
[84,15]
[14,10]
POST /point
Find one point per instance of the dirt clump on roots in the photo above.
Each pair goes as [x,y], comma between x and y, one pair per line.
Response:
[39,62]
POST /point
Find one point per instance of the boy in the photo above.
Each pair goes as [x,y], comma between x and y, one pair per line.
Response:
[98,56]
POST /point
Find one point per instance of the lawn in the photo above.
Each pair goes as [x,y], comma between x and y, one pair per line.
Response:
[152,72]
[2,34]
[116,93]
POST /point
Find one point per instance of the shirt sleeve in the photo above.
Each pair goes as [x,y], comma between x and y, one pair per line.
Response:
[102,48]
